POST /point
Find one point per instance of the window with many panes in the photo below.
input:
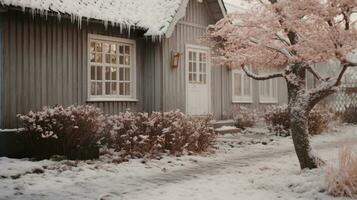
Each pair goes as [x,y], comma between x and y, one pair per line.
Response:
[111,68]
[242,87]
[197,66]
[268,91]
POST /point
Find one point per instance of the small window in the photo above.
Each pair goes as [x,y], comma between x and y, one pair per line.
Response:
[197,67]
[242,87]
[268,91]
[111,68]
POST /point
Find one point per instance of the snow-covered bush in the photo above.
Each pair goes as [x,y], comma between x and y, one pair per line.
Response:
[138,135]
[244,117]
[342,179]
[350,115]
[278,120]
[71,127]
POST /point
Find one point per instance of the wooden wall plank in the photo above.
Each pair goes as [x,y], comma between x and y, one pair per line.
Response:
[46,64]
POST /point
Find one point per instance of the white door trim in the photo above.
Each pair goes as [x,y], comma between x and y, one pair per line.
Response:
[199,47]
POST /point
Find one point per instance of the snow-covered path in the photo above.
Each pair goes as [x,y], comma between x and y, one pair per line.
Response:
[244,172]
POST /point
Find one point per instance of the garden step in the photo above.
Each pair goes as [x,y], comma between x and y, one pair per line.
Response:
[227,130]
[221,123]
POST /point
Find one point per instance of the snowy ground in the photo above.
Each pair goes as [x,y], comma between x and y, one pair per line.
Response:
[244,167]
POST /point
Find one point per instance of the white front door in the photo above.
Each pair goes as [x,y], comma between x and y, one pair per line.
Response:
[197,80]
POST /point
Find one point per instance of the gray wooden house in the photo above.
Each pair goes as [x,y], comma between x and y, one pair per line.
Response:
[142,55]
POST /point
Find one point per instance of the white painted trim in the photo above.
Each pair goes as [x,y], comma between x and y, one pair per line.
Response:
[241,99]
[208,50]
[181,12]
[132,71]
[223,8]
[112,100]
[192,25]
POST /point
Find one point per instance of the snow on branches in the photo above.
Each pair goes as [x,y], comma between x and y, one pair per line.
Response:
[286,32]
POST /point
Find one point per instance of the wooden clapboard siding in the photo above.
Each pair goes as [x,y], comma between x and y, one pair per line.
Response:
[189,30]
[45,64]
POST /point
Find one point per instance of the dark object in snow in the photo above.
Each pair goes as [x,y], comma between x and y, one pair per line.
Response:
[264,143]
[38,171]
[13,144]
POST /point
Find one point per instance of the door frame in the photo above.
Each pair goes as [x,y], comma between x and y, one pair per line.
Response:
[202,48]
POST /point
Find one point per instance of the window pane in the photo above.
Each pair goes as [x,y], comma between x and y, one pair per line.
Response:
[194,69]
[107,73]
[114,73]
[127,50]
[99,73]
[121,88]
[107,88]
[274,88]
[190,56]
[114,88]
[127,60]
[114,59]
[113,48]
[202,57]
[121,74]
[106,47]
[92,72]
[98,58]
[92,88]
[98,47]
[121,60]
[237,84]
[99,89]
[194,77]
[190,77]
[194,55]
[121,49]
[246,86]
[107,58]
[127,74]
[267,88]
[92,57]
[127,89]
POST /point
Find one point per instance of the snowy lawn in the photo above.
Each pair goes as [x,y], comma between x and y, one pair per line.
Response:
[243,167]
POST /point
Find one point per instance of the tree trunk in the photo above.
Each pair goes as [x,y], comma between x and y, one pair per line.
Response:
[300,135]
[299,111]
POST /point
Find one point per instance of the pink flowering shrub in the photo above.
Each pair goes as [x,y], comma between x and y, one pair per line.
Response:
[342,179]
[244,117]
[70,127]
[138,135]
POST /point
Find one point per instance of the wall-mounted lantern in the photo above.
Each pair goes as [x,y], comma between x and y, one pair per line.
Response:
[175,59]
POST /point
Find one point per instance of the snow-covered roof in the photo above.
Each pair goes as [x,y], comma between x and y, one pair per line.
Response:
[154,16]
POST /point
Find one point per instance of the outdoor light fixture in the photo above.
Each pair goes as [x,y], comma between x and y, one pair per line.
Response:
[175,56]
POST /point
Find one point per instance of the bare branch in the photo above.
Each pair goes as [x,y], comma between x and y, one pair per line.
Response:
[261,77]
[340,75]
[315,73]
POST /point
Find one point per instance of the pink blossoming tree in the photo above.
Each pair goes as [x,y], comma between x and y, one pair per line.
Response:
[290,36]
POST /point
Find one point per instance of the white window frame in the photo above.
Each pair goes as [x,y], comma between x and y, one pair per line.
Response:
[273,83]
[103,98]
[242,98]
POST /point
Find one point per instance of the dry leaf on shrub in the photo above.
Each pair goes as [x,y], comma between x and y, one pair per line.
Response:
[342,179]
